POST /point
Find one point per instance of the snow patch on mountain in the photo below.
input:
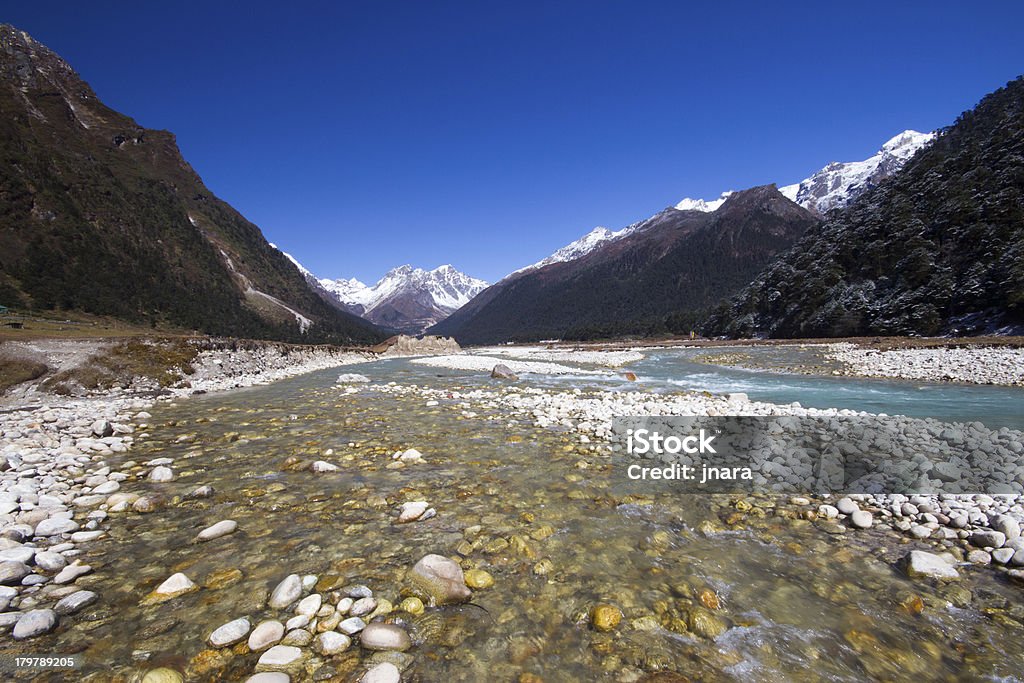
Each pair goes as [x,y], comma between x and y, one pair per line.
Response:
[834,186]
[703,205]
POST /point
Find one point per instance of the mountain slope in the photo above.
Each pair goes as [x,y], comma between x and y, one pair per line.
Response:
[939,248]
[101,215]
[663,274]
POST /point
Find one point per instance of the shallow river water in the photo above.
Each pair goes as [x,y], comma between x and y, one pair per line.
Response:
[712,588]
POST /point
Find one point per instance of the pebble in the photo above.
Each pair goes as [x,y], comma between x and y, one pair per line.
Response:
[604,617]
[352,625]
[162,675]
[74,602]
[847,506]
[385,672]
[161,474]
[269,677]
[478,579]
[221,528]
[378,636]
[230,633]
[362,607]
[331,643]
[924,564]
[72,572]
[412,511]
[174,585]
[309,605]
[265,634]
[280,657]
[56,527]
[286,592]
[12,572]
[861,519]
[35,623]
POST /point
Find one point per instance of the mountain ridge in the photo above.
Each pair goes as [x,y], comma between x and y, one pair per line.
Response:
[104,216]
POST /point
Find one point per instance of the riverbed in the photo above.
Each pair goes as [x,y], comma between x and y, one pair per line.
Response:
[710,588]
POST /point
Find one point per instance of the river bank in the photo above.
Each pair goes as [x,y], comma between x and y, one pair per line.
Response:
[264,461]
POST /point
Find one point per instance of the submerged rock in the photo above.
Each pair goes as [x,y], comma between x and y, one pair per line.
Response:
[221,528]
[378,636]
[230,633]
[924,564]
[35,623]
[441,579]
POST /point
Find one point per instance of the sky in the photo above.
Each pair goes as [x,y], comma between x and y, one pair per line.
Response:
[364,135]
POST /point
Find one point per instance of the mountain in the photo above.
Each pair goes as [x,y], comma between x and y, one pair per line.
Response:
[660,274]
[832,187]
[839,183]
[836,185]
[406,299]
[938,248]
[101,215]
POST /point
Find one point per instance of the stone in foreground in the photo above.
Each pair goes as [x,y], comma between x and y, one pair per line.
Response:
[286,592]
[378,636]
[924,564]
[230,633]
[441,579]
[385,672]
[221,528]
[35,623]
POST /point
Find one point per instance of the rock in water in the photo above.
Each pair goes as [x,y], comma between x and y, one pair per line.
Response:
[441,579]
[175,585]
[502,371]
[221,528]
[75,602]
[331,643]
[412,511]
[378,636]
[35,623]
[605,617]
[230,633]
[385,672]
[12,572]
[162,675]
[861,519]
[287,592]
[924,564]
[267,633]
[280,657]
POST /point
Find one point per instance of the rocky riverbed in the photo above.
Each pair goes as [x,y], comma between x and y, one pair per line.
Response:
[976,365]
[285,533]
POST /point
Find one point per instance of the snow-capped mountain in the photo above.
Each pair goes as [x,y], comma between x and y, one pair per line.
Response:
[581,247]
[834,186]
[406,298]
[702,205]
[830,188]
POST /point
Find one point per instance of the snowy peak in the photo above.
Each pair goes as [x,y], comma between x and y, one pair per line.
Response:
[701,204]
[836,185]
[406,298]
[580,248]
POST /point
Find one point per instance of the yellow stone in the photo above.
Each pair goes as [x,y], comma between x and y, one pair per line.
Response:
[478,579]
[412,605]
[605,617]
[709,599]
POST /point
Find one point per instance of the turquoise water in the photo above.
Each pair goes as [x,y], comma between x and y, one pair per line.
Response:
[675,370]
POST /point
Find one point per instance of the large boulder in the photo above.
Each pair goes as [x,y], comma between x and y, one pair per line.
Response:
[441,579]
[502,371]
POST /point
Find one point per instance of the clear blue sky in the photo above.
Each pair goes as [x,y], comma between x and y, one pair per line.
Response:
[363,135]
